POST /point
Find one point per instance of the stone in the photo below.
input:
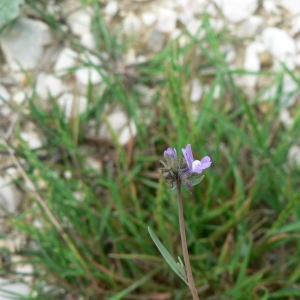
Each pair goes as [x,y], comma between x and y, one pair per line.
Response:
[196,91]
[252,24]
[19,97]
[289,90]
[88,75]
[111,9]
[270,7]
[125,129]
[48,84]
[87,40]
[156,40]
[292,6]
[278,42]
[294,156]
[285,118]
[80,21]
[132,24]
[32,139]
[236,11]
[148,18]
[7,288]
[10,196]
[166,20]
[66,59]
[67,102]
[23,43]
[4,95]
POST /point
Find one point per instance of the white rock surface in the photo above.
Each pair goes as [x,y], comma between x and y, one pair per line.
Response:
[4,95]
[80,21]
[292,6]
[88,75]
[111,8]
[23,43]
[252,60]
[125,129]
[285,118]
[87,40]
[72,106]
[289,88]
[21,289]
[48,84]
[19,97]
[10,196]
[132,24]
[148,18]
[32,138]
[252,24]
[66,59]
[270,7]
[166,20]
[236,11]
[278,42]
[294,155]
[196,90]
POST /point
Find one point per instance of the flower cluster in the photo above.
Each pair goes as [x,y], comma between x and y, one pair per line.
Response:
[183,170]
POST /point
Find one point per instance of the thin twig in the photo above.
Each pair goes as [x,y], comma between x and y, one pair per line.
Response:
[187,263]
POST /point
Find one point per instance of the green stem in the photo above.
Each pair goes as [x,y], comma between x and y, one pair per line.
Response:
[190,278]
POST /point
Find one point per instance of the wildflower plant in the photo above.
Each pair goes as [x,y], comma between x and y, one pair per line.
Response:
[176,171]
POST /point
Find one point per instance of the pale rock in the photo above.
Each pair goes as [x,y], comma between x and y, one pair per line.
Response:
[278,42]
[72,105]
[127,133]
[67,174]
[87,40]
[4,95]
[93,163]
[217,24]
[80,21]
[252,24]
[196,90]
[26,270]
[194,28]
[289,90]
[125,129]
[88,75]
[270,7]
[145,92]
[132,24]
[192,7]
[285,118]
[67,59]
[236,11]
[156,40]
[32,139]
[211,10]
[19,97]
[292,6]
[252,59]
[166,20]
[297,60]
[23,43]
[294,156]
[111,8]
[6,111]
[48,84]
[8,288]
[269,93]
[217,92]
[295,27]
[229,52]
[13,173]
[10,196]
[148,18]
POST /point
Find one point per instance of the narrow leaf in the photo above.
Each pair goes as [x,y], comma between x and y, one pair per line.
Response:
[196,180]
[167,256]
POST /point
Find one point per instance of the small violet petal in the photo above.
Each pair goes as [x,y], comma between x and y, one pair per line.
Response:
[205,162]
[172,153]
[188,155]
[197,166]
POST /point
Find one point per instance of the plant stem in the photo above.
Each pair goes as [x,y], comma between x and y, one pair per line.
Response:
[190,278]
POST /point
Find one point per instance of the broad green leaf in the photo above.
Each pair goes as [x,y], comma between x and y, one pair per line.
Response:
[196,180]
[9,10]
[167,256]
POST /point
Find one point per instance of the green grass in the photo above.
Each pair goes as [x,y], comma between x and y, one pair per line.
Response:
[243,221]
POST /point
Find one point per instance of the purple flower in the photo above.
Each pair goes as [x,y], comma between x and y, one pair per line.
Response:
[195,166]
[172,153]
